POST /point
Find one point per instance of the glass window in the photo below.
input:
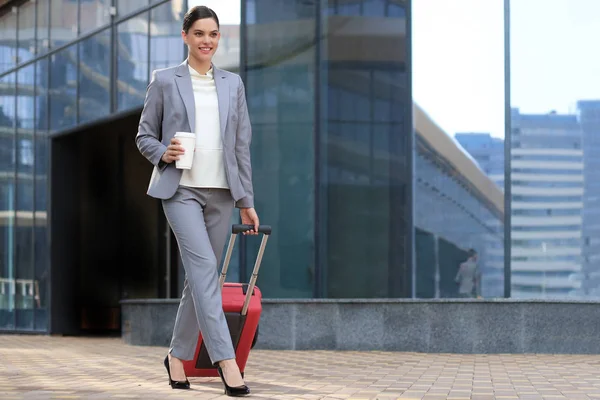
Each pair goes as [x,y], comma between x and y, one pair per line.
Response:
[281,94]
[41,251]
[459,146]
[250,12]
[26,46]
[166,46]
[25,106]
[363,145]
[133,59]
[347,7]
[25,158]
[25,286]
[63,84]
[280,87]
[63,22]
[396,10]
[94,77]
[125,7]
[7,202]
[178,7]
[7,124]
[374,8]
[8,41]
[43,30]
[93,14]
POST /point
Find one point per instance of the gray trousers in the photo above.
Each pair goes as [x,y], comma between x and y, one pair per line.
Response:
[200,219]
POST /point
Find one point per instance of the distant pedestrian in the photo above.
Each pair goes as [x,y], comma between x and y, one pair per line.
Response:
[468,276]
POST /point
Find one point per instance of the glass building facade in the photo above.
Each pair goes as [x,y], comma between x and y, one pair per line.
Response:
[63,64]
[332,130]
[342,171]
[355,164]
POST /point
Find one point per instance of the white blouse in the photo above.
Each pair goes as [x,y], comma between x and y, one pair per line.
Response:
[208,167]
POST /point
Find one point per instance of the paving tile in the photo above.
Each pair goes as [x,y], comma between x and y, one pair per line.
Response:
[43,367]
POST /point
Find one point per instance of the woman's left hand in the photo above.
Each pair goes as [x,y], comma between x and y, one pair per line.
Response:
[249,217]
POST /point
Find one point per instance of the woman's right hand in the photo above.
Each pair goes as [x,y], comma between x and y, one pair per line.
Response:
[174,150]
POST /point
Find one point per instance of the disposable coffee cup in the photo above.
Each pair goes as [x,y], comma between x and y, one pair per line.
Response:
[188,141]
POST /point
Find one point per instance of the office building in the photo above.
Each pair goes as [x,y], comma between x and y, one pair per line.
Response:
[589,119]
[547,184]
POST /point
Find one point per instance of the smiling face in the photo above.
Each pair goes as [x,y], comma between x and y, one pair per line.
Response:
[202,39]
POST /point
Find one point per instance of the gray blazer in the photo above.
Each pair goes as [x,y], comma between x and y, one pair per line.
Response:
[169,107]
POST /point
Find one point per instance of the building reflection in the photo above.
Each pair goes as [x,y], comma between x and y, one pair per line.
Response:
[57,90]
[457,208]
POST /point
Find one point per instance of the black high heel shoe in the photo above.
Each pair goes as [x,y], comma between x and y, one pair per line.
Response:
[233,391]
[175,384]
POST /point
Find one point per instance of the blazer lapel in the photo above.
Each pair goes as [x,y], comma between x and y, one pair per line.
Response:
[223,95]
[184,85]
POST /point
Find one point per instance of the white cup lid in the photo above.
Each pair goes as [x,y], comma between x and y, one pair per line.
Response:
[185,134]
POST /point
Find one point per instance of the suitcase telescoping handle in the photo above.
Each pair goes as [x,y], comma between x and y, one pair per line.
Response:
[236,230]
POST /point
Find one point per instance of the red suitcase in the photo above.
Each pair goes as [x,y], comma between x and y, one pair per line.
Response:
[242,306]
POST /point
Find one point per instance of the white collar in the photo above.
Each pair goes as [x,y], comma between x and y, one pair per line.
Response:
[209,73]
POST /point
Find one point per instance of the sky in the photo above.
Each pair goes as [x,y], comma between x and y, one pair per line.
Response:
[458,63]
[458,57]
[228,11]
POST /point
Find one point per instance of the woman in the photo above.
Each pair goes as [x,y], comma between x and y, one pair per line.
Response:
[197,97]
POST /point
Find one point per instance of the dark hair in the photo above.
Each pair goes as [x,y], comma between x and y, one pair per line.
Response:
[196,13]
[471,253]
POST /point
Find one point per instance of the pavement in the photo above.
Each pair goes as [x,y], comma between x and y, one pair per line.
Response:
[45,367]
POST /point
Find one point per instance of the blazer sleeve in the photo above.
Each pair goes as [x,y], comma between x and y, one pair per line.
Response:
[242,149]
[149,129]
